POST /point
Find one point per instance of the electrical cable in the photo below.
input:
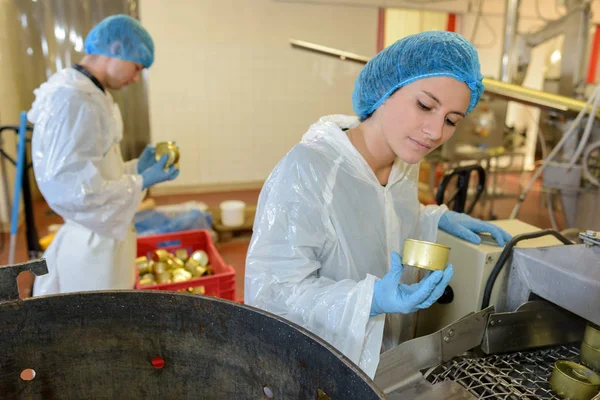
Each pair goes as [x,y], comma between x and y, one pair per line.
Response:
[507,252]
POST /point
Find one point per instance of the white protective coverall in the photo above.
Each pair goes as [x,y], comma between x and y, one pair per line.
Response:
[80,171]
[324,232]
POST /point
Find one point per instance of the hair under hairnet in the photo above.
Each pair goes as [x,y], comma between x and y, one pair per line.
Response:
[121,36]
[424,55]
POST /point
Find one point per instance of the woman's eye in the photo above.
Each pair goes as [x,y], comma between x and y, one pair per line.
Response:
[423,106]
[450,122]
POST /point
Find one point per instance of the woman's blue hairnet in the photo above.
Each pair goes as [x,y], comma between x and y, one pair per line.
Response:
[121,36]
[424,55]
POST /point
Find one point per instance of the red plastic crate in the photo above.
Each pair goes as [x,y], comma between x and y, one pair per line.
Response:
[220,284]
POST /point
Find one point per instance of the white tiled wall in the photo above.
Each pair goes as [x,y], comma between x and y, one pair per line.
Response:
[230,90]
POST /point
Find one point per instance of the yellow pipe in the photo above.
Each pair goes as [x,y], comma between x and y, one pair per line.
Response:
[533,97]
[507,91]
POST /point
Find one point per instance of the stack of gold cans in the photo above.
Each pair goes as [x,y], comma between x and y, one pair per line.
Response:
[166,267]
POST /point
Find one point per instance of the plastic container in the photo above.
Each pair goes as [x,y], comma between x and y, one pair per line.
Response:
[233,213]
[221,284]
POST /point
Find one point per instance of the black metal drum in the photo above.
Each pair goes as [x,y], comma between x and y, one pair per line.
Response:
[151,345]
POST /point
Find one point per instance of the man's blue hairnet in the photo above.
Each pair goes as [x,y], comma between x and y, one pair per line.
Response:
[424,55]
[121,36]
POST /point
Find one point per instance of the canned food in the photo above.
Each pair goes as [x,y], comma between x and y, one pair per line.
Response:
[172,152]
[143,265]
[147,282]
[182,254]
[201,257]
[160,267]
[163,277]
[197,290]
[573,381]
[191,264]
[427,255]
[148,276]
[197,271]
[177,263]
[590,356]
[592,336]
[160,255]
[181,275]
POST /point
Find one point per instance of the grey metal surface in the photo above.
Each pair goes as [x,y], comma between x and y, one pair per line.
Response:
[102,345]
[400,368]
[568,276]
[520,375]
[536,324]
[423,390]
[8,277]
[560,176]
[575,27]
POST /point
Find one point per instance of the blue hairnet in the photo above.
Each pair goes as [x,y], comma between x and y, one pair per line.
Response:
[121,36]
[424,55]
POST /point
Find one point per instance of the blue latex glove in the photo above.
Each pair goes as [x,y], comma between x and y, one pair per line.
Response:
[157,174]
[391,296]
[146,159]
[467,227]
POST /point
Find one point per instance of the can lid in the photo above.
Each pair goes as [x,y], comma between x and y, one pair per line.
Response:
[429,243]
[577,372]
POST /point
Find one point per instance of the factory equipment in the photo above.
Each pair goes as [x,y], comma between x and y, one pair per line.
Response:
[509,315]
[156,344]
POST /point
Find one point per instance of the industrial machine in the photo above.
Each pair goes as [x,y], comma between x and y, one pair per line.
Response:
[473,265]
[509,314]
[160,345]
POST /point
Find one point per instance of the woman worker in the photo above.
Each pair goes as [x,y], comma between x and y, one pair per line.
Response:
[345,197]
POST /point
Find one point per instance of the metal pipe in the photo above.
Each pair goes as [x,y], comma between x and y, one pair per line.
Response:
[507,66]
[503,90]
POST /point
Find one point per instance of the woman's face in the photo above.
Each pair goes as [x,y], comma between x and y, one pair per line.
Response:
[422,116]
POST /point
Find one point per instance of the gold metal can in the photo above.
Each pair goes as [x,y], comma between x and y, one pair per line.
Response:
[574,381]
[160,255]
[163,277]
[181,275]
[197,290]
[592,336]
[143,265]
[177,263]
[160,267]
[149,276]
[201,257]
[191,264]
[182,254]
[426,255]
[147,282]
[199,271]
[590,356]
[172,152]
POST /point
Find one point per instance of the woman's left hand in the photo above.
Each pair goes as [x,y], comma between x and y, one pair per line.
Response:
[147,158]
[467,227]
